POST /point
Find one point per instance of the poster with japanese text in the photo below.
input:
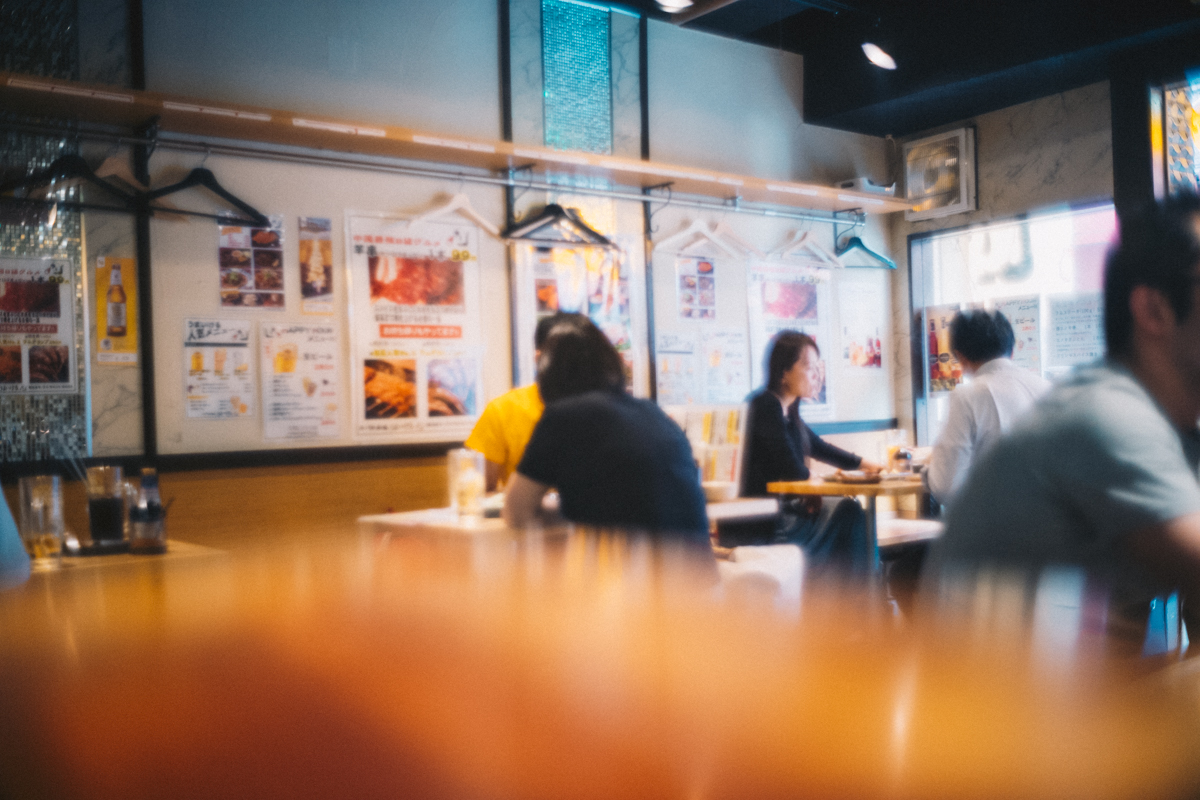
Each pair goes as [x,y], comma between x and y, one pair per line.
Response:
[37,326]
[316,265]
[1076,331]
[862,314]
[726,366]
[216,357]
[789,297]
[695,288]
[945,372]
[586,280]
[299,368]
[251,265]
[678,377]
[1024,314]
[116,311]
[417,333]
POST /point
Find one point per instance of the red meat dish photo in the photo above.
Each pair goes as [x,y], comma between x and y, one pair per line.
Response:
[10,364]
[29,297]
[416,281]
[49,364]
[790,300]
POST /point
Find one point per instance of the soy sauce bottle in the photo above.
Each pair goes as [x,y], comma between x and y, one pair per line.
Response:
[146,517]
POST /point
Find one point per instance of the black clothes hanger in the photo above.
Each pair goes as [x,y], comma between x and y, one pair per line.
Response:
[565,222]
[856,244]
[205,178]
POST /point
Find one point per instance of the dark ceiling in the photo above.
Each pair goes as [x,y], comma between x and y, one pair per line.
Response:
[956,58]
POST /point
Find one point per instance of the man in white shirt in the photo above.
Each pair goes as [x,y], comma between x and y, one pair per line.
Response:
[985,407]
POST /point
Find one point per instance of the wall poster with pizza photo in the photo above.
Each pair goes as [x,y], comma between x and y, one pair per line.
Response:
[37,326]
[416,328]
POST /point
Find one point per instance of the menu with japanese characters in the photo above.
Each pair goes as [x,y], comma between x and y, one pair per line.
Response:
[415,311]
[37,326]
[299,368]
[218,382]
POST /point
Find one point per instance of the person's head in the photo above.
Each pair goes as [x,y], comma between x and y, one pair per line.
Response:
[577,357]
[978,336]
[793,364]
[545,324]
[1158,249]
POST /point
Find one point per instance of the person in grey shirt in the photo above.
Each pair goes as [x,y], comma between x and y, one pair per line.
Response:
[1101,474]
[998,393]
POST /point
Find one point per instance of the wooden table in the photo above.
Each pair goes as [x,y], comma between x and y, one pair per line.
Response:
[559,666]
[868,491]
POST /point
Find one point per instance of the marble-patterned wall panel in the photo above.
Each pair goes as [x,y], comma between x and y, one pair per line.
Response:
[103,42]
[525,59]
[1034,155]
[116,388]
[624,61]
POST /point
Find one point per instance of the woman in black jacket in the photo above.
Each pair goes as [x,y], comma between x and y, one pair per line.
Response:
[832,531]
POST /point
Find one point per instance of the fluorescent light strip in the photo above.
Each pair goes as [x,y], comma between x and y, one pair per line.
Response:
[56,89]
[476,147]
[854,198]
[774,187]
[335,127]
[220,112]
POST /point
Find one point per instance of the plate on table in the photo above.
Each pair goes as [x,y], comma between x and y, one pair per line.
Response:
[855,476]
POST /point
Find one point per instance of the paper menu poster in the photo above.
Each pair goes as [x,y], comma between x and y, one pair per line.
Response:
[1076,330]
[217,380]
[1024,314]
[299,365]
[416,325]
[116,311]
[945,372]
[678,374]
[37,326]
[790,297]
[250,264]
[696,288]
[708,367]
[861,311]
[316,265]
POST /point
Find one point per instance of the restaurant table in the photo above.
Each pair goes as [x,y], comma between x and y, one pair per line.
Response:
[566,665]
[868,491]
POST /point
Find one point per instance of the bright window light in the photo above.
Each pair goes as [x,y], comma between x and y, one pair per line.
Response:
[877,56]
[674,6]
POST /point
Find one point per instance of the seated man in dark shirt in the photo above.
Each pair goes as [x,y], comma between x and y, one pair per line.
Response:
[615,460]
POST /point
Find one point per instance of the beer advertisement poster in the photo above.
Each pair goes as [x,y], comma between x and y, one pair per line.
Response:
[417,328]
[216,355]
[37,326]
[299,366]
[116,311]
[944,370]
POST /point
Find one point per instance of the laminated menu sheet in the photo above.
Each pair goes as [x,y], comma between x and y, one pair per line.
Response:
[416,327]
[299,366]
[1025,316]
[702,367]
[217,379]
[37,326]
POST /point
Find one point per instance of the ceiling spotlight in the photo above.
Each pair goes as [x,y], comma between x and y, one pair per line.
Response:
[674,6]
[877,56]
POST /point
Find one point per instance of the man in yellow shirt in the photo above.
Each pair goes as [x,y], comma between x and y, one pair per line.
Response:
[507,422]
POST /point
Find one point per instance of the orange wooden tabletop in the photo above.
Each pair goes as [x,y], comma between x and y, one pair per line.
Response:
[832,488]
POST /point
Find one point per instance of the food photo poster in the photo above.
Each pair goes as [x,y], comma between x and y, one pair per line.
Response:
[416,328]
[250,261]
[37,326]
[299,365]
[316,265]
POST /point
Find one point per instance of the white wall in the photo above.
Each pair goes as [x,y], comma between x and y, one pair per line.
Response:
[426,64]
[738,107]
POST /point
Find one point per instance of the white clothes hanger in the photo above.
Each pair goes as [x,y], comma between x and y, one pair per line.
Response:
[805,243]
[697,228]
[458,204]
[724,230]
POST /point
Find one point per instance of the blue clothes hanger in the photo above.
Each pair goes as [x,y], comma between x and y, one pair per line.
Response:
[855,245]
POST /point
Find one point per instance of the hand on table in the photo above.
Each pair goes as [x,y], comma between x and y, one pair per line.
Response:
[870,467]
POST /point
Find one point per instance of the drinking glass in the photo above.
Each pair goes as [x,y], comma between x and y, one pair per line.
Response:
[106,504]
[41,518]
[466,472]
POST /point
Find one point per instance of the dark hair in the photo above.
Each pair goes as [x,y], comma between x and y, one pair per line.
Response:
[1157,248]
[784,351]
[545,324]
[981,335]
[577,357]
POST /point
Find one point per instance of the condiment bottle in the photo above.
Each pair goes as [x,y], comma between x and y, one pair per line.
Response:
[147,517]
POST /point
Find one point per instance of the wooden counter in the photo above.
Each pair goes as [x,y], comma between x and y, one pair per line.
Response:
[536,666]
